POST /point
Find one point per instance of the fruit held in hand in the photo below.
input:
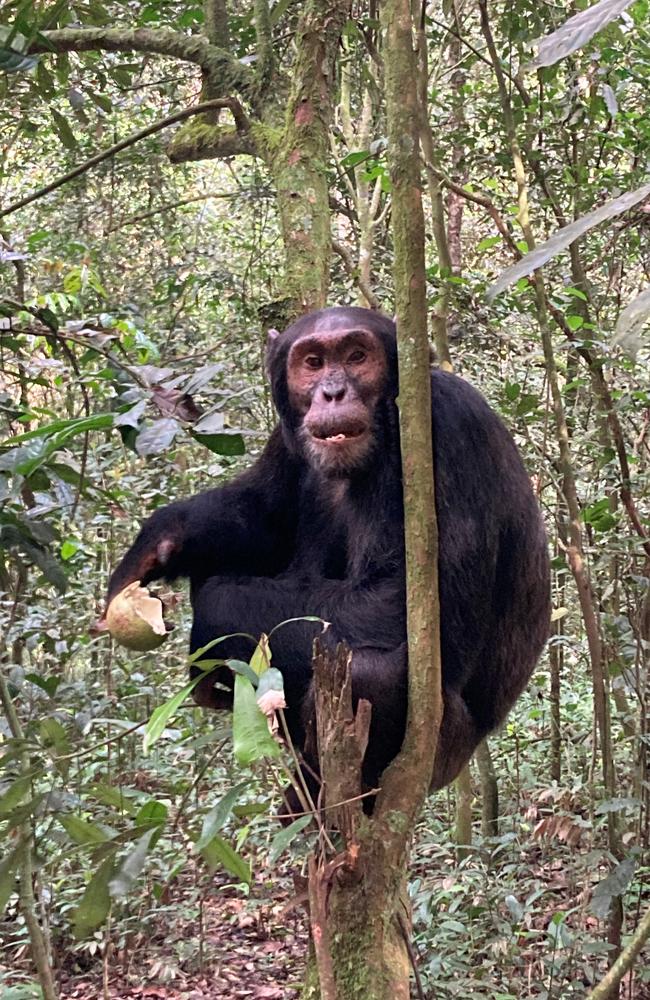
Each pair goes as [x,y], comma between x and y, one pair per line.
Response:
[135,619]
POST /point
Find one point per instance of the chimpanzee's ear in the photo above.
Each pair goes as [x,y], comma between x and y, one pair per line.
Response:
[271,336]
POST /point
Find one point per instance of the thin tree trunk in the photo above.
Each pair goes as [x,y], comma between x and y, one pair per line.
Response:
[489,791]
[463,833]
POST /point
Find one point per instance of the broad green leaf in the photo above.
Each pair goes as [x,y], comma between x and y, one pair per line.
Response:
[353,159]
[81,831]
[14,795]
[219,852]
[151,813]
[225,443]
[54,736]
[243,668]
[251,737]
[218,815]
[95,902]
[489,241]
[284,837]
[161,715]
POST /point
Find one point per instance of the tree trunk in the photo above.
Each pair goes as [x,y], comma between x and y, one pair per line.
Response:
[357,903]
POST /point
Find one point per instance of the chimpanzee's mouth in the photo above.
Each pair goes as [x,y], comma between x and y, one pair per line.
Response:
[331,436]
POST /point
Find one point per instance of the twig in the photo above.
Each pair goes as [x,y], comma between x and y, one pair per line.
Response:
[143,216]
[353,271]
[623,963]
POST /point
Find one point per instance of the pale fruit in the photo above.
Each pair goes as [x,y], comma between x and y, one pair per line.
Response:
[135,619]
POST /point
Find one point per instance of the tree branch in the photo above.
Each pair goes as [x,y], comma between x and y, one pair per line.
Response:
[161,209]
[226,102]
[354,273]
[623,963]
[217,64]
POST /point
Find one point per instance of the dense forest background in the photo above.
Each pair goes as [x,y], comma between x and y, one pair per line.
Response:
[136,295]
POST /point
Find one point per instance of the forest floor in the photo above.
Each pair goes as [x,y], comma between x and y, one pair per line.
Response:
[237,949]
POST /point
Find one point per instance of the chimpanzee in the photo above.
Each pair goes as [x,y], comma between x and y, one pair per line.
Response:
[315,527]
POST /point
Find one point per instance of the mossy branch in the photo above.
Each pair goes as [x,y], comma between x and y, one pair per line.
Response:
[220,66]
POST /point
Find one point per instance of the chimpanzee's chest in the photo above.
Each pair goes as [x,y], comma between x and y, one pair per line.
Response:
[339,538]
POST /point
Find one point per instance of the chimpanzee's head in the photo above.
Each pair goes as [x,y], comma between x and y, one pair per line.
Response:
[334,376]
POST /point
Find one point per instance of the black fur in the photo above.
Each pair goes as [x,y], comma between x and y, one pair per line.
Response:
[282,541]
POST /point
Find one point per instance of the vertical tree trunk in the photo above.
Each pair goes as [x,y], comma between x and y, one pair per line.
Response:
[297,159]
[360,892]
[489,791]
[463,833]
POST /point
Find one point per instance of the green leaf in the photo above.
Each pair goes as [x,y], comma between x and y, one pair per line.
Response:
[575,322]
[63,130]
[245,669]
[68,548]
[8,868]
[161,715]
[81,831]
[197,655]
[54,736]
[95,902]
[218,815]
[489,241]
[14,795]
[152,813]
[261,658]
[129,871]
[219,852]
[226,443]
[353,159]
[285,836]
[271,680]
[251,737]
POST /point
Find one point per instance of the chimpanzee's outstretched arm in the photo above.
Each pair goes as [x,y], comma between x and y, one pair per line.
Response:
[246,526]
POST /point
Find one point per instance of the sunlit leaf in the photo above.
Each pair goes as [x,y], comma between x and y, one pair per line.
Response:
[157,437]
[576,32]
[563,238]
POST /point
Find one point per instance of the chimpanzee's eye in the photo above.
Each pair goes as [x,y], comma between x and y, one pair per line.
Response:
[357,357]
[314,362]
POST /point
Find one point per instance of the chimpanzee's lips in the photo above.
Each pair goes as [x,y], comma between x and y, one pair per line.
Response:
[336,435]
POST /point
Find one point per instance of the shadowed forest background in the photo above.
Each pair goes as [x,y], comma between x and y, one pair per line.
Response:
[135,296]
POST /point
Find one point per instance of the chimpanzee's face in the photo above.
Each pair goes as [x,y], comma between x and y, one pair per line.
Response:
[336,376]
